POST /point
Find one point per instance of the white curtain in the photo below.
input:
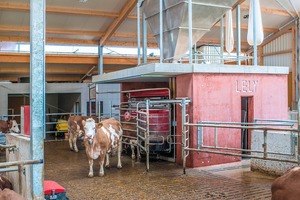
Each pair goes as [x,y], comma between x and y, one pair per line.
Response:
[258,24]
[229,39]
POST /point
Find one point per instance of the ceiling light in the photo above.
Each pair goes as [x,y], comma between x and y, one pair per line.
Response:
[83,1]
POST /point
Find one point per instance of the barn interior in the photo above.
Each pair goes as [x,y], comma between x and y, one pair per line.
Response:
[197,83]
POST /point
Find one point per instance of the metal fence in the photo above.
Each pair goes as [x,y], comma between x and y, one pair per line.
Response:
[53,120]
[265,128]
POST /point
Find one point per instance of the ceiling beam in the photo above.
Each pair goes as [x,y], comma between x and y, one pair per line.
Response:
[73,59]
[63,10]
[67,69]
[129,5]
[26,29]
[239,2]
[270,11]
[270,30]
[51,40]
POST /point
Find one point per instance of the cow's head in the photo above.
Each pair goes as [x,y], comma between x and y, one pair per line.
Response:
[89,129]
[13,126]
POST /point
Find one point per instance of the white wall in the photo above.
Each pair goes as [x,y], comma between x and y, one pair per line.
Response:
[108,98]
[24,88]
[280,44]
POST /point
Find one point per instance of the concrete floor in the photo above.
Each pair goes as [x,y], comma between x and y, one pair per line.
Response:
[164,181]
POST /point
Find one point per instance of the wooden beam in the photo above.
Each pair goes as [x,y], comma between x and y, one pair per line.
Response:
[237,3]
[51,40]
[277,53]
[270,30]
[129,5]
[68,69]
[64,10]
[25,29]
[73,59]
[270,11]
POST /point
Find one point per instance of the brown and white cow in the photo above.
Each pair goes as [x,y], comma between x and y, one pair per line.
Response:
[102,139]
[76,129]
[287,186]
[8,194]
[9,126]
[6,190]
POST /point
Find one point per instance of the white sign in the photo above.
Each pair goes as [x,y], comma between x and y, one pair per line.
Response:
[246,86]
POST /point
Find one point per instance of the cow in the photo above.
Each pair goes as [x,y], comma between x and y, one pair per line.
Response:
[130,132]
[5,183]
[102,139]
[128,141]
[6,190]
[9,126]
[287,185]
[8,194]
[76,130]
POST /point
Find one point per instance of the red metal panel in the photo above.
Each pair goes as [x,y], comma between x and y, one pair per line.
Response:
[158,123]
[150,93]
[49,186]
[25,121]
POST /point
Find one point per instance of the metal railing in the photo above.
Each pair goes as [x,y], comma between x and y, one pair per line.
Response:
[286,126]
[51,122]
[9,167]
[144,136]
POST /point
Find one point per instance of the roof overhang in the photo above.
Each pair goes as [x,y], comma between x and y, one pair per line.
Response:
[161,72]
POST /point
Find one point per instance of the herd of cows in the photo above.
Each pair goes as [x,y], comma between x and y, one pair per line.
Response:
[105,137]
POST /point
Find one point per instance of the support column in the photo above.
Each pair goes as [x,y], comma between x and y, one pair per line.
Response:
[222,39]
[238,34]
[161,58]
[138,21]
[145,35]
[37,94]
[254,34]
[100,59]
[190,15]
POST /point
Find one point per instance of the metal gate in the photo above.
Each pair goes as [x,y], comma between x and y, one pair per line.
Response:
[147,136]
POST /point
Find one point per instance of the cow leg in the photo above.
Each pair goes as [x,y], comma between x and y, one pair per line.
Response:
[71,140]
[74,143]
[107,164]
[101,163]
[138,151]
[132,149]
[119,166]
[91,173]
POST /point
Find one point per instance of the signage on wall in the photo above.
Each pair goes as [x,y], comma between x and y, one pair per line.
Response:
[249,86]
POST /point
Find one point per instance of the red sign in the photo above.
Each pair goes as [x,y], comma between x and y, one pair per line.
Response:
[127,116]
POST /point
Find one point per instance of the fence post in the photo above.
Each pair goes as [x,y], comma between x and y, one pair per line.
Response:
[183,130]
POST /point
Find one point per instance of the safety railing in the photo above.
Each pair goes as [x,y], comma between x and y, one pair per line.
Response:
[286,127]
[20,168]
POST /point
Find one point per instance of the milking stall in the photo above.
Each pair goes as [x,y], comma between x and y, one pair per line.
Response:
[204,96]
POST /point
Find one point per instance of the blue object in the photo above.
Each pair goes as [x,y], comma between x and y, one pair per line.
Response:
[2,138]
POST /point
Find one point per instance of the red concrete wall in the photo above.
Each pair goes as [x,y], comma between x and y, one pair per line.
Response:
[217,97]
